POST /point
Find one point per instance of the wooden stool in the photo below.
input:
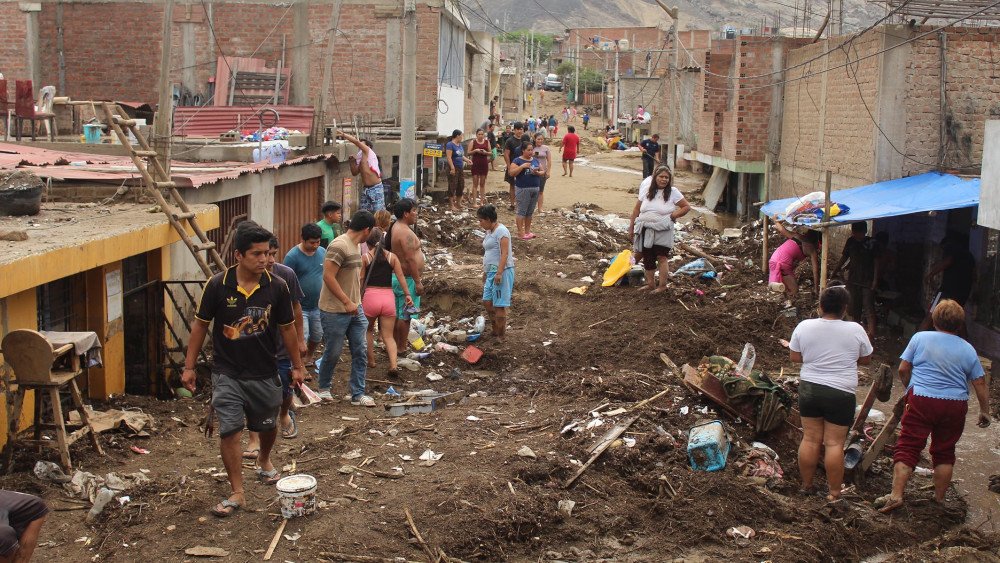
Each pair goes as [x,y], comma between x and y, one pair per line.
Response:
[31,357]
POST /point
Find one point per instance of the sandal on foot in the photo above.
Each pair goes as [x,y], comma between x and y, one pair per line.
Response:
[251,454]
[289,433]
[225,508]
[886,503]
[268,477]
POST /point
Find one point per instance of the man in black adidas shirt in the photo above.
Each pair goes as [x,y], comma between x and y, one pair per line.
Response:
[247,308]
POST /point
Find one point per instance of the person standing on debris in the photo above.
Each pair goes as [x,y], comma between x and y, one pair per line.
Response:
[377,297]
[329,225]
[341,310]
[527,172]
[658,207]
[570,146]
[405,244]
[650,149]
[498,269]
[860,251]
[830,350]
[480,149]
[543,154]
[23,517]
[306,260]
[249,310]
[455,157]
[511,150]
[957,268]
[365,163]
[937,368]
[286,416]
[586,120]
[553,125]
[491,136]
[781,266]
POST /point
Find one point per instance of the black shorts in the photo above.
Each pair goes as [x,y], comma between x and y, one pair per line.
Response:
[649,256]
[17,510]
[832,405]
[250,403]
[541,184]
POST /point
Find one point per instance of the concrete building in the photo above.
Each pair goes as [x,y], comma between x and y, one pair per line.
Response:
[638,46]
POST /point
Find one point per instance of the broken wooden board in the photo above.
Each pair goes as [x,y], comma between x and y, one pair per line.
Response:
[202,551]
[599,448]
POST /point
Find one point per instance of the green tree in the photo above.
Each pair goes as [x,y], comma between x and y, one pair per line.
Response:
[566,70]
[543,41]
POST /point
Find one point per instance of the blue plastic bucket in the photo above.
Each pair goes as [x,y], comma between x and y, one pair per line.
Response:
[708,446]
[92,134]
[407,188]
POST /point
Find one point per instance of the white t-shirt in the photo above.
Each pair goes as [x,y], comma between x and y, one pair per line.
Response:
[830,351]
[658,204]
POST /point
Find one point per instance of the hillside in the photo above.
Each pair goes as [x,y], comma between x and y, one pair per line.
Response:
[695,14]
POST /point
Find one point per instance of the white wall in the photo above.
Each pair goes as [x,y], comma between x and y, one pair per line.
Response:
[989,192]
[451,109]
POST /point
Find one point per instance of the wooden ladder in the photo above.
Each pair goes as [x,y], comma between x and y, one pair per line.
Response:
[177,210]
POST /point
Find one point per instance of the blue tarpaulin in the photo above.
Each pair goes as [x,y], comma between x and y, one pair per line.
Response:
[932,191]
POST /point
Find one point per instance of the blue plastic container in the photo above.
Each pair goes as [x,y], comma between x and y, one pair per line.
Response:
[407,188]
[708,446]
[92,134]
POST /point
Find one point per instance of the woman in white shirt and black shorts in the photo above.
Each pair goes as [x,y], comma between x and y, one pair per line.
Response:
[830,350]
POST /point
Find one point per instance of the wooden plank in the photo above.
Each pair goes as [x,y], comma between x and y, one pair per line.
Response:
[601,446]
[883,437]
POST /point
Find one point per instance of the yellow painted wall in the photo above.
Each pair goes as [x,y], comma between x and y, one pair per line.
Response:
[108,380]
[18,311]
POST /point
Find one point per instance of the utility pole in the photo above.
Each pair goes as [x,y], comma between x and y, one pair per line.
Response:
[614,106]
[164,108]
[576,86]
[408,111]
[673,130]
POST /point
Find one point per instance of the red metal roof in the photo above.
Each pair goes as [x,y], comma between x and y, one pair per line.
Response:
[212,121]
[118,170]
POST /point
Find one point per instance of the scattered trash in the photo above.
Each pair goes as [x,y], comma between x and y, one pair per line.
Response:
[685,410]
[473,418]
[353,454]
[429,458]
[409,364]
[853,455]
[587,279]
[104,496]
[472,354]
[762,461]
[304,396]
[432,376]
[695,267]
[293,537]
[445,347]
[50,471]
[575,257]
[923,471]
[525,451]
[744,532]
[578,290]
[708,446]
[392,393]
[629,442]
[566,507]
[124,499]
[731,233]
[139,450]
[745,366]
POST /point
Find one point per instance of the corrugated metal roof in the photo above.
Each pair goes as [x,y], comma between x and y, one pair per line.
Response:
[118,170]
[212,121]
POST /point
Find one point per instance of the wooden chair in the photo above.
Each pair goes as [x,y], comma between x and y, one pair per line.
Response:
[32,358]
[27,108]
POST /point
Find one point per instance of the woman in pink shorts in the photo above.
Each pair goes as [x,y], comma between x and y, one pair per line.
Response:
[378,300]
[785,258]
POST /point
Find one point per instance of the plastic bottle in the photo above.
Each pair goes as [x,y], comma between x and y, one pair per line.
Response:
[480,325]
[418,326]
[445,347]
[417,356]
[416,340]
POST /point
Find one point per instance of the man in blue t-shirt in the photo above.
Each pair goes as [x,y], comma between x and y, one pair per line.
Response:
[306,260]
[650,154]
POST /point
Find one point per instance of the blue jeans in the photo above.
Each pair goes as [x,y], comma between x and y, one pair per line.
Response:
[311,324]
[336,328]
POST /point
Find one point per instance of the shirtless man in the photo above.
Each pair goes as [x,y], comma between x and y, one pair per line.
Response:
[365,163]
[404,243]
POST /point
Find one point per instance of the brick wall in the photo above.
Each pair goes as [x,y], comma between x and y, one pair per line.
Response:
[13,29]
[825,125]
[717,96]
[112,49]
[972,96]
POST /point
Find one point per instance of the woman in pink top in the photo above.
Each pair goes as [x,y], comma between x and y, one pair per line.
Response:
[785,258]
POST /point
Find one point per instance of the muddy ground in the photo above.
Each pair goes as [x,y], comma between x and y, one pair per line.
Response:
[566,357]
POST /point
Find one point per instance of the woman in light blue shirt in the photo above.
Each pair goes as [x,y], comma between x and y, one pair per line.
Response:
[498,269]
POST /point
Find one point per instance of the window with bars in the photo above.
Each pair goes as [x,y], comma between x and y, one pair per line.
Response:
[55,305]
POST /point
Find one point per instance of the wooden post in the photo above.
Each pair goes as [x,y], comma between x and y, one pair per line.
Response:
[164,111]
[825,249]
[764,253]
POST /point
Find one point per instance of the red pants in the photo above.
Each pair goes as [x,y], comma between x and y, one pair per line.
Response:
[942,419]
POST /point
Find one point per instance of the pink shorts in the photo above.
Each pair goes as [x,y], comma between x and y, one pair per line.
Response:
[379,302]
[776,270]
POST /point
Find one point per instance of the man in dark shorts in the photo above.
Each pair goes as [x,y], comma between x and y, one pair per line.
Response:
[286,416]
[650,154]
[860,254]
[21,519]
[512,150]
[249,310]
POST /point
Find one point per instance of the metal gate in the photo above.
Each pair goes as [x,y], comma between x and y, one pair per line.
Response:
[143,306]
[295,204]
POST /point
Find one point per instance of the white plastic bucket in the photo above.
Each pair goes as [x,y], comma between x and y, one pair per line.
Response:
[297,495]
